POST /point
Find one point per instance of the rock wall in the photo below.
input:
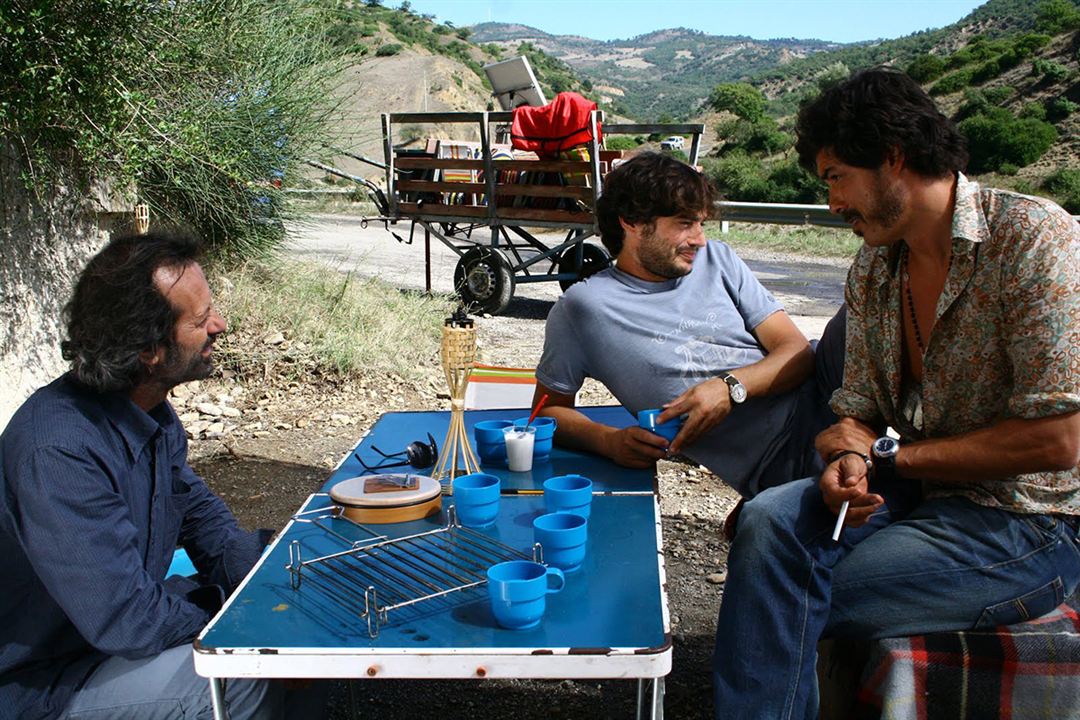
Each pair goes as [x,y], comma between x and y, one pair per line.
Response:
[46,238]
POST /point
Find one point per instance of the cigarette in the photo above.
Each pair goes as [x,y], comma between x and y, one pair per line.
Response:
[839,522]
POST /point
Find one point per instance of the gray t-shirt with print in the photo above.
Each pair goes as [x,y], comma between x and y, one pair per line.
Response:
[650,341]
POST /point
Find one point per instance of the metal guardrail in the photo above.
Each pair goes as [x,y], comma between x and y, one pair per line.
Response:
[780,214]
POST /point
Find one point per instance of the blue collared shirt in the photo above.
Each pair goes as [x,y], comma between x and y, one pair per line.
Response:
[95,494]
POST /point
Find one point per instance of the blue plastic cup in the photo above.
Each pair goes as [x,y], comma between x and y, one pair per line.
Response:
[545,431]
[563,537]
[518,590]
[568,493]
[490,444]
[476,499]
[668,430]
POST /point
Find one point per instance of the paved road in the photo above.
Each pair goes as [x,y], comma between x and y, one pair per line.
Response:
[810,290]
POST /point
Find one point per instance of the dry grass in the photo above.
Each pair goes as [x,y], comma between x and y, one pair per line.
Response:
[306,319]
[799,240]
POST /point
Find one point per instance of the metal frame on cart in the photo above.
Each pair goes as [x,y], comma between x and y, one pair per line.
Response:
[488,269]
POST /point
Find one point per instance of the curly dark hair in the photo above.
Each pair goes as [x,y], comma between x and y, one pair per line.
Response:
[645,187]
[873,113]
[117,312]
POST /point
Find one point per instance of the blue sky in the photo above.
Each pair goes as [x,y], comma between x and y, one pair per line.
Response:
[837,20]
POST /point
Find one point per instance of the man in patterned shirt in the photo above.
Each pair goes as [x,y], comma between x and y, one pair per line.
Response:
[963,336]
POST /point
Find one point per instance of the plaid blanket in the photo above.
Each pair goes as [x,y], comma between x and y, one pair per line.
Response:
[1022,672]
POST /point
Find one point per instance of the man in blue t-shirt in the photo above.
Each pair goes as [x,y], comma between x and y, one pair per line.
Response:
[682,324]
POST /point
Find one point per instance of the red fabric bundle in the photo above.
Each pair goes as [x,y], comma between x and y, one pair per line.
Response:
[561,124]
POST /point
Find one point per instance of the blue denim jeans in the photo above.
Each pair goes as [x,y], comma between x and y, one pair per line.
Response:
[165,687]
[916,567]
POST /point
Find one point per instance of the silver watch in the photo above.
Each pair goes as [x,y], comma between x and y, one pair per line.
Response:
[736,388]
[884,451]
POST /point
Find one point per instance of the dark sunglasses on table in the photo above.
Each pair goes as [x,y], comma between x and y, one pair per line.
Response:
[417,454]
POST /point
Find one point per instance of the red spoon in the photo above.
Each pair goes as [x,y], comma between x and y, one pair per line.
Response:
[536,409]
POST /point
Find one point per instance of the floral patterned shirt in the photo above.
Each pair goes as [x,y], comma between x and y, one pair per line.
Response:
[1005,343]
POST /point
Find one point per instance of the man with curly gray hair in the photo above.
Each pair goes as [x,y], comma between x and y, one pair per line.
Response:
[95,495]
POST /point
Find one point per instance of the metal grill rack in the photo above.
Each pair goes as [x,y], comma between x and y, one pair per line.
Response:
[380,575]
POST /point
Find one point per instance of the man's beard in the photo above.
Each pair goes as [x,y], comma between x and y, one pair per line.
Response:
[658,257]
[178,369]
[885,212]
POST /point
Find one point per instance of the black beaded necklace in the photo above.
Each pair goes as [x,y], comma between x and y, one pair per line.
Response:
[911,307]
[911,301]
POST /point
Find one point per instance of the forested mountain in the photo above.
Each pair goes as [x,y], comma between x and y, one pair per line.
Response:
[663,73]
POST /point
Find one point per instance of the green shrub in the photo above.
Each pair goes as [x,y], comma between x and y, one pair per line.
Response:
[744,178]
[793,184]
[953,83]
[677,154]
[996,137]
[1049,70]
[986,71]
[997,95]
[762,136]
[1057,16]
[741,99]
[388,49]
[1033,110]
[199,105]
[1026,44]
[739,177]
[1064,184]
[1008,169]
[975,102]
[832,75]
[1060,108]
[621,142]
[925,68]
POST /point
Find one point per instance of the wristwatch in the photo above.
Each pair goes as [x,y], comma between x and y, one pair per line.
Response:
[736,388]
[884,452]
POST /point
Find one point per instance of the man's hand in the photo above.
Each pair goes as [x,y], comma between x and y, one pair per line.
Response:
[848,434]
[705,405]
[634,447]
[846,480]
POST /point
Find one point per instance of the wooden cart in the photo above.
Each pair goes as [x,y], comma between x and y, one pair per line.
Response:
[450,197]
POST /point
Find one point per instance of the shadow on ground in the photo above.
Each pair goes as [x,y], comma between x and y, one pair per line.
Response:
[260,492]
[688,695]
[525,308]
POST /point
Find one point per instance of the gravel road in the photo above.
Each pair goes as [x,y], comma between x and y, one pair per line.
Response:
[264,474]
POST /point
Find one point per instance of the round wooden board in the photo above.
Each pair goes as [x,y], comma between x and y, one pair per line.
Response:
[360,504]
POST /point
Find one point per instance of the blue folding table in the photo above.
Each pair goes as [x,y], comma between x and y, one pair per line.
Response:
[322,604]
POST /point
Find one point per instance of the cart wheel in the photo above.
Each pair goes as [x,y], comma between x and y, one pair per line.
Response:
[593,259]
[484,280]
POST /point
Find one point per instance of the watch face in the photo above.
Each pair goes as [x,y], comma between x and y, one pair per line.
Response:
[738,392]
[886,447]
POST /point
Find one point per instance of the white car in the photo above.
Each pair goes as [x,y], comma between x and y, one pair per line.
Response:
[675,142]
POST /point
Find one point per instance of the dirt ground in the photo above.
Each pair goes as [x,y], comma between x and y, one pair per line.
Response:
[273,441]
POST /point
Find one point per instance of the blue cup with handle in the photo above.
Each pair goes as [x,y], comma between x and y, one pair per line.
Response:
[563,537]
[668,430]
[490,443]
[476,499]
[518,590]
[568,493]
[545,432]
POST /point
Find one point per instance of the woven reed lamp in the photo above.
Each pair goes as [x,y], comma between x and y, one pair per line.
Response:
[142,219]
[458,352]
